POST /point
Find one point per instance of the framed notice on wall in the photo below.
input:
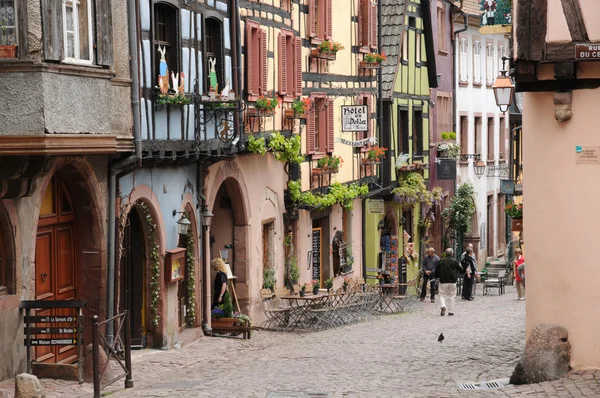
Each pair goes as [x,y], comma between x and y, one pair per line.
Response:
[317,240]
[175,264]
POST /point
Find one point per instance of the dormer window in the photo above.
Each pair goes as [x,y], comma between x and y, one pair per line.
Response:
[214,53]
[165,40]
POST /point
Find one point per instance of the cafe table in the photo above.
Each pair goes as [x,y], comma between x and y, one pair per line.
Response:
[387,292]
[302,309]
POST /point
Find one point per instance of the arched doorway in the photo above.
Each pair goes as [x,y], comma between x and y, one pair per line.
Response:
[55,261]
[132,290]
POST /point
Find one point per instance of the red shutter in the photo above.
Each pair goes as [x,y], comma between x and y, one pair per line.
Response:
[374,25]
[312,12]
[363,23]
[330,125]
[369,111]
[329,16]
[310,131]
[298,65]
[282,65]
[249,56]
[263,61]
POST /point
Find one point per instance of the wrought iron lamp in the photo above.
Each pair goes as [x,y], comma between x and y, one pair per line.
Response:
[479,167]
[503,89]
[206,216]
[183,224]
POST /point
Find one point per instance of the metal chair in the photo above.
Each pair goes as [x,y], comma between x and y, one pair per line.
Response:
[495,283]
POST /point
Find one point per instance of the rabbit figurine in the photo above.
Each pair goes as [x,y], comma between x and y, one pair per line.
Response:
[175,80]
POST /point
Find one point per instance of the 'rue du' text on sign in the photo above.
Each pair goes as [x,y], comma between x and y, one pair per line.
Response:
[587,154]
[587,51]
[355,118]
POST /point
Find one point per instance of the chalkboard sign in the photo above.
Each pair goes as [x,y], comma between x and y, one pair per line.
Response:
[316,253]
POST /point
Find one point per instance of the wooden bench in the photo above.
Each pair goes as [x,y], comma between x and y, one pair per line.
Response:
[245,330]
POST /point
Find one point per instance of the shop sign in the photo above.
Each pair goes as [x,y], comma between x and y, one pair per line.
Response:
[446,169]
[355,118]
[376,206]
[587,51]
[359,143]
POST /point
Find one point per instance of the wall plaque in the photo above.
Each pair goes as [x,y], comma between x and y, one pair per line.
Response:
[587,51]
[587,154]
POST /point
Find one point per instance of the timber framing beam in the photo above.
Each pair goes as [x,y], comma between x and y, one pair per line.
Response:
[531,29]
[575,21]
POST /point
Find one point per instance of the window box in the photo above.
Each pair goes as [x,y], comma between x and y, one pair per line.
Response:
[8,52]
[324,170]
[291,114]
[367,161]
[315,53]
[369,65]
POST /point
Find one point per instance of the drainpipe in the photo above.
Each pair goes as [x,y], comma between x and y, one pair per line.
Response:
[236,42]
[124,166]
[380,91]
[454,102]
[205,254]
[364,238]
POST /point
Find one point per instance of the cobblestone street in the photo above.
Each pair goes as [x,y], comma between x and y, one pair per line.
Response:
[396,356]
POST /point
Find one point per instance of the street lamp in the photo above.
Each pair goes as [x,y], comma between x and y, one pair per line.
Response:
[504,89]
[479,167]
[206,217]
[183,224]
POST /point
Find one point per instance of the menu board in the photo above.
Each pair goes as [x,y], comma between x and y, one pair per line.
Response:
[316,254]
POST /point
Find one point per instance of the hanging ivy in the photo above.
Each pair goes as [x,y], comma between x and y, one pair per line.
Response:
[154,262]
[190,288]
[412,190]
[284,149]
[338,194]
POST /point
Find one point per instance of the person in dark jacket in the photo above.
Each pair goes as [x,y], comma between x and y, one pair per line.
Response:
[429,263]
[447,272]
[468,264]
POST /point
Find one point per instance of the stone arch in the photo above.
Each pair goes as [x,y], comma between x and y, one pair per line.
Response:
[10,249]
[189,208]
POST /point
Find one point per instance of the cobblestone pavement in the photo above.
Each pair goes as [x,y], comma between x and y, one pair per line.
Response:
[396,356]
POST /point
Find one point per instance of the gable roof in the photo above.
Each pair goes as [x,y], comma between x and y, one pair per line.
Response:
[392,20]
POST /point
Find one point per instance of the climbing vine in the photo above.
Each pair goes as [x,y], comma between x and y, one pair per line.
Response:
[412,190]
[338,194]
[154,262]
[190,288]
[284,149]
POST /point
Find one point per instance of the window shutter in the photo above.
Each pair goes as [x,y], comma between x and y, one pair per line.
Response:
[329,17]
[249,56]
[330,126]
[282,65]
[312,12]
[310,131]
[298,65]
[263,61]
[104,37]
[52,29]
[374,25]
[363,23]
[361,135]
[369,111]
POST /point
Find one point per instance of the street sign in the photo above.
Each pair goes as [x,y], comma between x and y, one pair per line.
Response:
[45,342]
[507,187]
[355,118]
[446,169]
[51,330]
[587,51]
[51,319]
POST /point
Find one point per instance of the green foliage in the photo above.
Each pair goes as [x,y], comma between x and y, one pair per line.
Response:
[269,278]
[288,240]
[329,283]
[437,195]
[338,194]
[445,136]
[154,262]
[450,149]
[226,305]
[166,99]
[256,145]
[412,190]
[460,211]
[294,270]
[190,288]
[286,149]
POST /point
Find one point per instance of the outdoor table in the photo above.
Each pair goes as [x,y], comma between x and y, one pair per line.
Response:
[300,309]
[386,294]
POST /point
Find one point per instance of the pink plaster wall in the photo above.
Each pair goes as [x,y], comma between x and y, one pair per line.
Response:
[561,222]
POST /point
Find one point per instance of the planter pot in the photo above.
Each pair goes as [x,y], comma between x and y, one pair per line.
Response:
[314,53]
[369,65]
[381,282]
[371,161]
[218,322]
[315,291]
[8,51]
[324,170]
[302,293]
[291,114]
[517,224]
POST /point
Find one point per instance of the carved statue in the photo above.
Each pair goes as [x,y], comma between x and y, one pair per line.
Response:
[212,73]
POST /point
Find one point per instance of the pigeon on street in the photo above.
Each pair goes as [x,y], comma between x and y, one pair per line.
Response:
[440,338]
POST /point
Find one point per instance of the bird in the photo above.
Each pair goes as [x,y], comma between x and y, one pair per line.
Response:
[441,337]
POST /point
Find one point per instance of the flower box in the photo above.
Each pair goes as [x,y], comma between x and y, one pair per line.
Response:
[223,322]
[517,224]
[371,161]
[259,112]
[369,65]
[291,114]
[8,51]
[315,53]
[324,170]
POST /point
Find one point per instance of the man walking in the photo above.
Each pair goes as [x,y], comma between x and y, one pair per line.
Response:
[468,264]
[474,258]
[447,271]
[430,262]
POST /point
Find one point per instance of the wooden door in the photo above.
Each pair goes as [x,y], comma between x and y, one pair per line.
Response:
[55,259]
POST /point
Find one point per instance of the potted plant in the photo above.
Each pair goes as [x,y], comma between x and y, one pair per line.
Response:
[347,282]
[294,270]
[222,315]
[448,136]
[266,104]
[375,155]
[330,164]
[448,149]
[380,278]
[329,284]
[303,290]
[373,60]
[515,211]
[8,45]
[299,108]
[315,286]
[327,49]
[269,278]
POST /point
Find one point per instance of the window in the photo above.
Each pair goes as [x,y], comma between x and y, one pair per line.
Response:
[444,113]
[464,135]
[500,55]
[165,40]
[256,60]
[367,24]
[502,133]
[77,30]
[478,143]
[290,65]
[403,139]
[490,226]
[213,41]
[320,125]
[463,60]
[490,139]
[489,64]
[8,18]
[441,27]
[365,99]
[320,19]
[405,45]
[418,132]
[418,47]
[476,62]
[501,221]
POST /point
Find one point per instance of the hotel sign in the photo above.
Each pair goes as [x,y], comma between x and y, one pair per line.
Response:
[355,118]
[587,51]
